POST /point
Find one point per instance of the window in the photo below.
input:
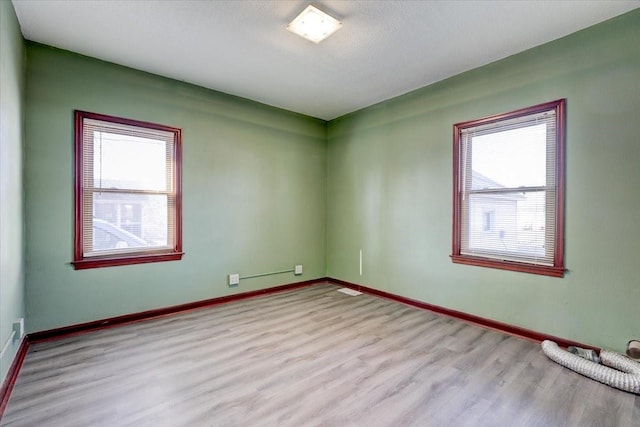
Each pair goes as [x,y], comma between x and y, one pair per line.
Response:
[488,221]
[508,204]
[127,192]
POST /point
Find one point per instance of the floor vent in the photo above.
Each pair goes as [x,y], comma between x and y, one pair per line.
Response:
[349,292]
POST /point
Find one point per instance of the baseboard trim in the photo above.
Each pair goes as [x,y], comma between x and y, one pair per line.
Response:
[82,328]
[470,318]
[12,374]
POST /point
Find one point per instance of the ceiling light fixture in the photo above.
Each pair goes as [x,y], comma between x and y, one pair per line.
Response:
[313,24]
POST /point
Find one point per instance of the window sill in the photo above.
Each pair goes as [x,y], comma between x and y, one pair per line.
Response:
[112,261]
[509,265]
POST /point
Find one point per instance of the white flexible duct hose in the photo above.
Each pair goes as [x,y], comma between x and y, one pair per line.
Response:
[625,376]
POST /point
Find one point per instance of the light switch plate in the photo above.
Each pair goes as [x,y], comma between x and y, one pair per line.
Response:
[18,328]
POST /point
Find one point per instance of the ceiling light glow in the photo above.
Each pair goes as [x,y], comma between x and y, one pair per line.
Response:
[313,24]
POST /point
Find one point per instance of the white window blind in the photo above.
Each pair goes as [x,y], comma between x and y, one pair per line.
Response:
[128,188]
[508,189]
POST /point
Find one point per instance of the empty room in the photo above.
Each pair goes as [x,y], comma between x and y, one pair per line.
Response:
[333,213]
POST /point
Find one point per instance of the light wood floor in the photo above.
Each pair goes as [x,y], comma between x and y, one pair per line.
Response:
[308,357]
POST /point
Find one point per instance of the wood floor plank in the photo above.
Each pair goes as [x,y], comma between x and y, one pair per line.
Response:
[307,357]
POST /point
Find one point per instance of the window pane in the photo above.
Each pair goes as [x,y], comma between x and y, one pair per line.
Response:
[512,158]
[125,161]
[507,224]
[124,220]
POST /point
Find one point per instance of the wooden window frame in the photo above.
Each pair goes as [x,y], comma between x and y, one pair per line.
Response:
[174,253]
[558,268]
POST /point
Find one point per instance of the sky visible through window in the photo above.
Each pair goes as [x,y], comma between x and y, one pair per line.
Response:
[129,162]
[512,158]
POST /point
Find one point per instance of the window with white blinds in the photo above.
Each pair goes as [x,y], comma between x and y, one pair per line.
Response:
[509,190]
[128,191]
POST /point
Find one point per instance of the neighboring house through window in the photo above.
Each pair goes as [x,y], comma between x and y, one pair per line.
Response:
[127,191]
[509,190]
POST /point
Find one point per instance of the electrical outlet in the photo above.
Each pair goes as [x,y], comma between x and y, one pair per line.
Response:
[234,279]
[297,270]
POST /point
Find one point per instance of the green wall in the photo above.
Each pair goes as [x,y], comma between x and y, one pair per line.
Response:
[265,189]
[390,189]
[254,196]
[11,199]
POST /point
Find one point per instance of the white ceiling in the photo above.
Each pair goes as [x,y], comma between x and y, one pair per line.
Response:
[242,47]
